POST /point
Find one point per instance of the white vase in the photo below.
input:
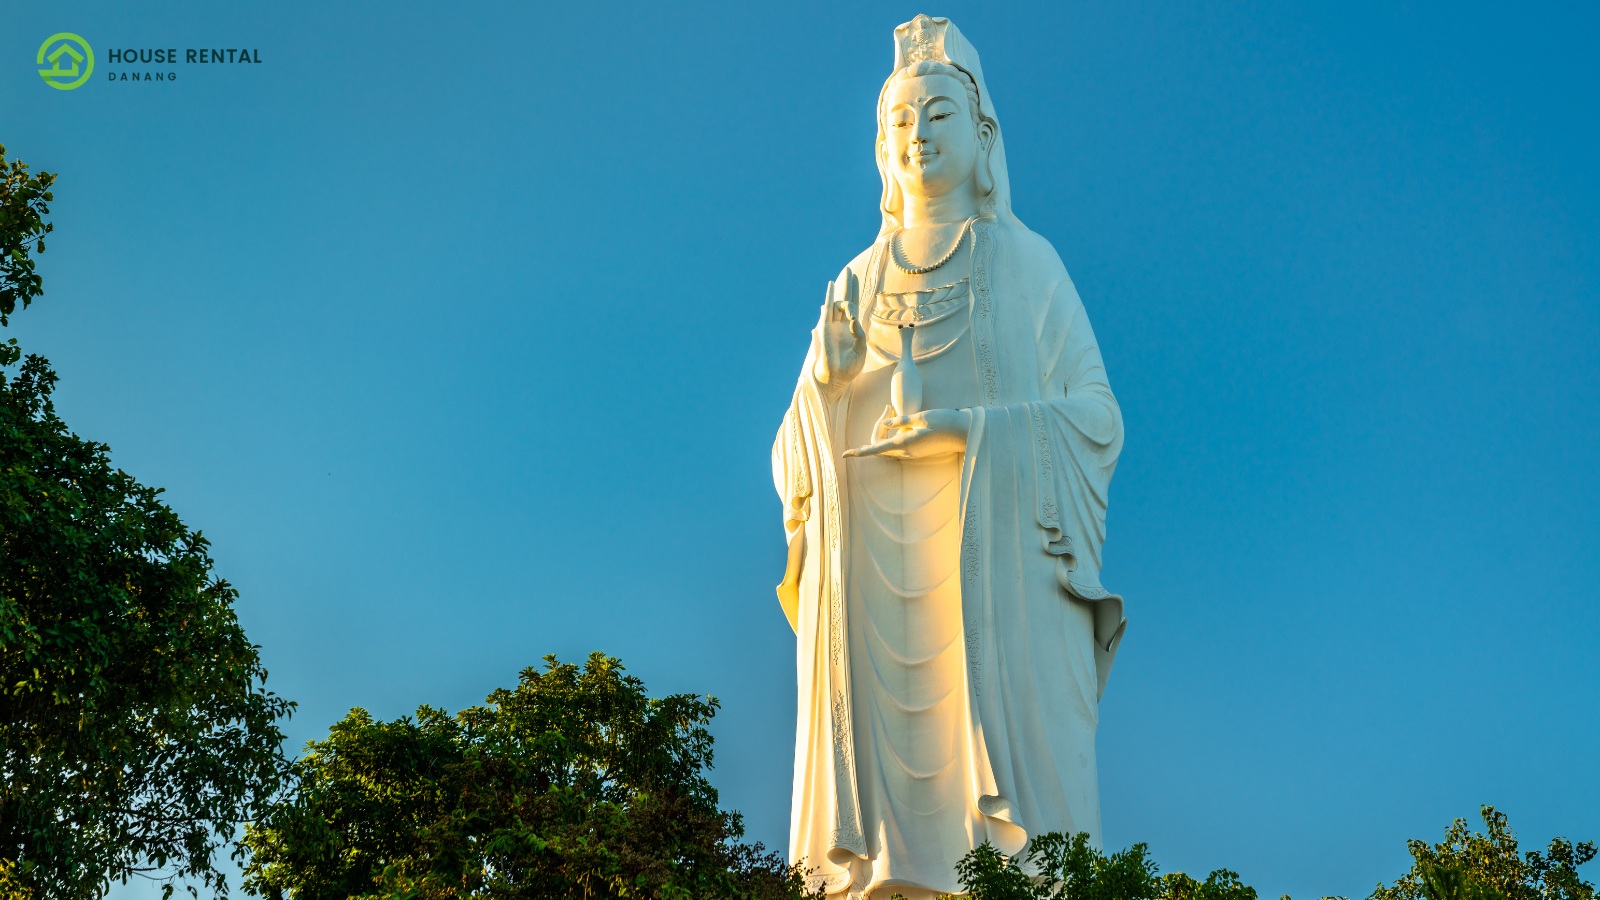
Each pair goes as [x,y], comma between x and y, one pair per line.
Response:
[905,385]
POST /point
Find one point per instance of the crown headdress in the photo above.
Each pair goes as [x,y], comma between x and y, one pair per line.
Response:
[926,40]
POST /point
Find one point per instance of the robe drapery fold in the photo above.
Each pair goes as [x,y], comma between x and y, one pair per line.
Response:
[1040,631]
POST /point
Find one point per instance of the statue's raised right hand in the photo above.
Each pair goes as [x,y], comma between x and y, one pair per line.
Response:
[844,344]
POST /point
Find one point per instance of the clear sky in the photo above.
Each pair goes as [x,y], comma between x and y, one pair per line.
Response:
[462,330]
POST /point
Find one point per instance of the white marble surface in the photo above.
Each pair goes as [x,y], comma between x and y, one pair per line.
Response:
[943,468]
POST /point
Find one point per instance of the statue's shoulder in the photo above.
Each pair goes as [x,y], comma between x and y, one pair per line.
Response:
[1030,270]
[1028,255]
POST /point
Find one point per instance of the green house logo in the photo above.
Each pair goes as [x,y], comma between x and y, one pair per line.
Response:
[71,61]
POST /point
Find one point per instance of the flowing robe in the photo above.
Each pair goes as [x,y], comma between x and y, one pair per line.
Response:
[1038,630]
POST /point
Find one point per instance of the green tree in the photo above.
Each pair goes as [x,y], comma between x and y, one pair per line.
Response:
[1219,885]
[1056,867]
[135,729]
[1469,865]
[573,784]
[24,202]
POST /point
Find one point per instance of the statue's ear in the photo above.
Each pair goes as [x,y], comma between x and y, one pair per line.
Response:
[892,200]
[986,137]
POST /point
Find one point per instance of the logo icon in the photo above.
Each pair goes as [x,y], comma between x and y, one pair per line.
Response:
[71,61]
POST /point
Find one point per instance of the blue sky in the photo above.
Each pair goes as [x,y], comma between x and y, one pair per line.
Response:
[463,333]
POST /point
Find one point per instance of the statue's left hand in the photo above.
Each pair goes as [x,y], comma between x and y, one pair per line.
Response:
[935,432]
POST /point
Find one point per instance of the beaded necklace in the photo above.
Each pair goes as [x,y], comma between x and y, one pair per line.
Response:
[896,253]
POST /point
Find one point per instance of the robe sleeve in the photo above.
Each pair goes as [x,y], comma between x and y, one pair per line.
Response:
[791,470]
[1077,430]
[792,476]
[800,454]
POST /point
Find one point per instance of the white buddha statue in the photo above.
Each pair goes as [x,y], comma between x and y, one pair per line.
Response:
[943,468]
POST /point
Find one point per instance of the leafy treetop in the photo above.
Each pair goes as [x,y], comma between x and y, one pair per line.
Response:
[573,784]
[24,202]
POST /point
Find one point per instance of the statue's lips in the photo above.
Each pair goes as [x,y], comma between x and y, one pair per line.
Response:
[923,157]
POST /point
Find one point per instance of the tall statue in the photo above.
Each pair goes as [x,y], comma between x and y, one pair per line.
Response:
[943,469]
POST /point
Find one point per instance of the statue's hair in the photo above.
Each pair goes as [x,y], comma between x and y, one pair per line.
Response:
[891,201]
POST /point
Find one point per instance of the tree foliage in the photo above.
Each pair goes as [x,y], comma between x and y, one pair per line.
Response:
[135,730]
[24,202]
[1466,866]
[1056,867]
[573,784]
[1469,865]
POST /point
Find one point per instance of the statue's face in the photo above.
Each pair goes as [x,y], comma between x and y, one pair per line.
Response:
[930,136]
